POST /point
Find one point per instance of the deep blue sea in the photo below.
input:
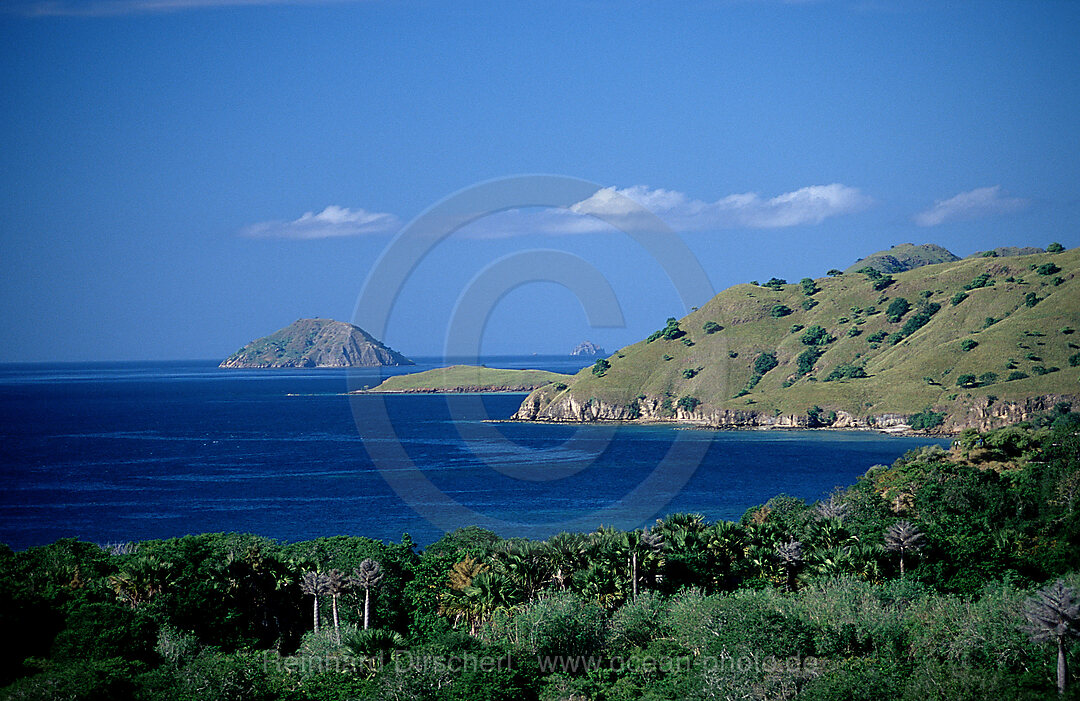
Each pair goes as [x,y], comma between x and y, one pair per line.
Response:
[114,452]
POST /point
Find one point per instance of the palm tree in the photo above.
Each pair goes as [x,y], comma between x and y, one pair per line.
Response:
[336,585]
[640,544]
[141,579]
[524,563]
[791,557]
[565,554]
[314,584]
[831,508]
[367,576]
[1053,614]
[373,645]
[903,537]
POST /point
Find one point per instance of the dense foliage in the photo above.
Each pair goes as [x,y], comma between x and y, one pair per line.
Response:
[917,582]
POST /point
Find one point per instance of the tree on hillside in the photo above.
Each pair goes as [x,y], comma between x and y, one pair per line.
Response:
[903,537]
[1053,615]
[367,576]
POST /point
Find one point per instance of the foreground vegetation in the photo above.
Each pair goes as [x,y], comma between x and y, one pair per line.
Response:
[917,582]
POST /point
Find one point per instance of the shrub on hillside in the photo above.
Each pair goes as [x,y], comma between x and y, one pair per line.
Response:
[926,420]
[765,362]
[897,309]
[968,344]
[958,298]
[816,335]
[711,327]
[780,310]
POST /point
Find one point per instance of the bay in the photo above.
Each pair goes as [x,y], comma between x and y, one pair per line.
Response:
[115,452]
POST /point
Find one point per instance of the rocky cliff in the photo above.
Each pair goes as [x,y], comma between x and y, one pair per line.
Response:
[315,343]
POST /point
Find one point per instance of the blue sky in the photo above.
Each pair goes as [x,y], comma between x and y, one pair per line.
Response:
[180,176]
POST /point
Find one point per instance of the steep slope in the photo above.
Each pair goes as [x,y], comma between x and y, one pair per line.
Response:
[315,343]
[904,256]
[995,352]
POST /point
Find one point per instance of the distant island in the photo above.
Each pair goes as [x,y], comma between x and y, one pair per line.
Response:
[912,338]
[588,349]
[315,343]
[469,378]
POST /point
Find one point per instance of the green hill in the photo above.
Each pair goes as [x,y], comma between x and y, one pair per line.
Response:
[904,256]
[315,343]
[977,342]
[469,378]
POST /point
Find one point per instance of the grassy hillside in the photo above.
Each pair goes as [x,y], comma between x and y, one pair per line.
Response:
[991,318]
[470,378]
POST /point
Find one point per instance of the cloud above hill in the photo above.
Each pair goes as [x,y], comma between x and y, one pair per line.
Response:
[980,202]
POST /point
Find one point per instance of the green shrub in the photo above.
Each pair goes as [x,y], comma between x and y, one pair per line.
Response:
[920,318]
[877,337]
[989,321]
[806,360]
[1040,370]
[897,309]
[711,327]
[1017,375]
[600,367]
[882,282]
[894,338]
[808,304]
[988,378]
[816,335]
[958,298]
[689,373]
[968,344]
[854,331]
[775,283]
[1074,360]
[982,280]
[1031,299]
[1047,269]
[834,272]
[795,328]
[967,380]
[926,420]
[687,342]
[809,287]
[846,372]
[1057,281]
[765,362]
[688,403]
[780,310]
[1055,248]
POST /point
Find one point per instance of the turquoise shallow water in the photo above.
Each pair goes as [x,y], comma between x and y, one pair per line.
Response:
[117,452]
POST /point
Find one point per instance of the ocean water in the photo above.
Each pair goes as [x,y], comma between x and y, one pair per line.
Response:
[113,452]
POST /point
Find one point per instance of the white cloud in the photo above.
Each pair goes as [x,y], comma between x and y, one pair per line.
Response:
[980,202]
[99,8]
[333,221]
[808,205]
[609,208]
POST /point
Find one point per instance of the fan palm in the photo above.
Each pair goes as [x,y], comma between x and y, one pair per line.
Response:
[314,584]
[831,508]
[565,554]
[373,645]
[1053,615]
[791,557]
[336,585]
[367,576]
[903,537]
[640,544]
